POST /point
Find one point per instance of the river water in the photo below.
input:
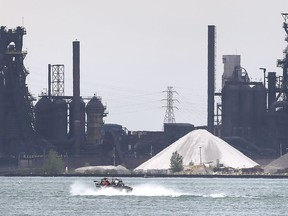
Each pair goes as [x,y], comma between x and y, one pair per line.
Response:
[75,196]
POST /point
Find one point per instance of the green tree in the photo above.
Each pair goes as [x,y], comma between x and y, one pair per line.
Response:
[176,162]
[53,163]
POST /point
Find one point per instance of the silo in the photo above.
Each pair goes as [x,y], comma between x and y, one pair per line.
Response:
[43,118]
[95,113]
[230,109]
[259,113]
[60,109]
[259,103]
[246,111]
[82,119]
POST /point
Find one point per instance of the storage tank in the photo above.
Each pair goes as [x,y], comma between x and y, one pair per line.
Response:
[43,118]
[82,119]
[259,103]
[246,111]
[95,113]
[230,109]
[60,110]
[271,88]
[259,114]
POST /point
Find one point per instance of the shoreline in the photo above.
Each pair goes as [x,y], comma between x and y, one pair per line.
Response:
[149,176]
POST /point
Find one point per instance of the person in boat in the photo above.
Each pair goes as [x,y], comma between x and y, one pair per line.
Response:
[105,182]
[120,183]
[116,181]
[113,182]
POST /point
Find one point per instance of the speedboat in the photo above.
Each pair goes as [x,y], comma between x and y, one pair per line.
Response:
[116,184]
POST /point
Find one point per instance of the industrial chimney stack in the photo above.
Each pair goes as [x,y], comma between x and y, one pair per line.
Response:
[211,77]
[76,96]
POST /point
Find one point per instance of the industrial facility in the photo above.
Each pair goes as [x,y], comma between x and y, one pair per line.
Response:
[251,116]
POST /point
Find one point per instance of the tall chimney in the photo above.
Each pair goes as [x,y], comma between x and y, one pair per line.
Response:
[211,77]
[49,81]
[76,96]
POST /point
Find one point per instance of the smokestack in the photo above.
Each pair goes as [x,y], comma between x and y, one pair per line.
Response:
[76,95]
[49,81]
[211,77]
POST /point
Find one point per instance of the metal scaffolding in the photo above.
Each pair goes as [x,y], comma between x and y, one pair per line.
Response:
[57,80]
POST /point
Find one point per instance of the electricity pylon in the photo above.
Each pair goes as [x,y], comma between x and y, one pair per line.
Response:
[169,115]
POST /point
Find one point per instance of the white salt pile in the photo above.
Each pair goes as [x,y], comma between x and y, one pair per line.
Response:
[279,164]
[199,147]
[102,170]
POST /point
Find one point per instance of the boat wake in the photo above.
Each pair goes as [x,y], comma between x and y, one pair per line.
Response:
[79,188]
[230,196]
[85,189]
[216,195]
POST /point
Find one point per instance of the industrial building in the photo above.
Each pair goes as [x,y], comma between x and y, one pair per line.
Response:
[251,116]
[71,125]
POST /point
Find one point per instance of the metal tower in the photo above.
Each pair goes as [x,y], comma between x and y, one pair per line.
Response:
[169,115]
[57,80]
[283,63]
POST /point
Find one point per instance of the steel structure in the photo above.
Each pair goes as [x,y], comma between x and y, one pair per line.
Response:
[95,114]
[283,63]
[169,115]
[57,80]
[243,117]
[16,110]
[247,117]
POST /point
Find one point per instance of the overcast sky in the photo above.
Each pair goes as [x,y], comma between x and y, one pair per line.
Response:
[132,50]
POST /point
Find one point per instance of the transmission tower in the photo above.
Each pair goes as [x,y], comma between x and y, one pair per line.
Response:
[169,115]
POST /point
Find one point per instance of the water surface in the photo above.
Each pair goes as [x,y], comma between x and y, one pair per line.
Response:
[76,196]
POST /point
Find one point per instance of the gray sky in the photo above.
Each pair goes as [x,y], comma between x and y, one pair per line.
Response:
[132,50]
